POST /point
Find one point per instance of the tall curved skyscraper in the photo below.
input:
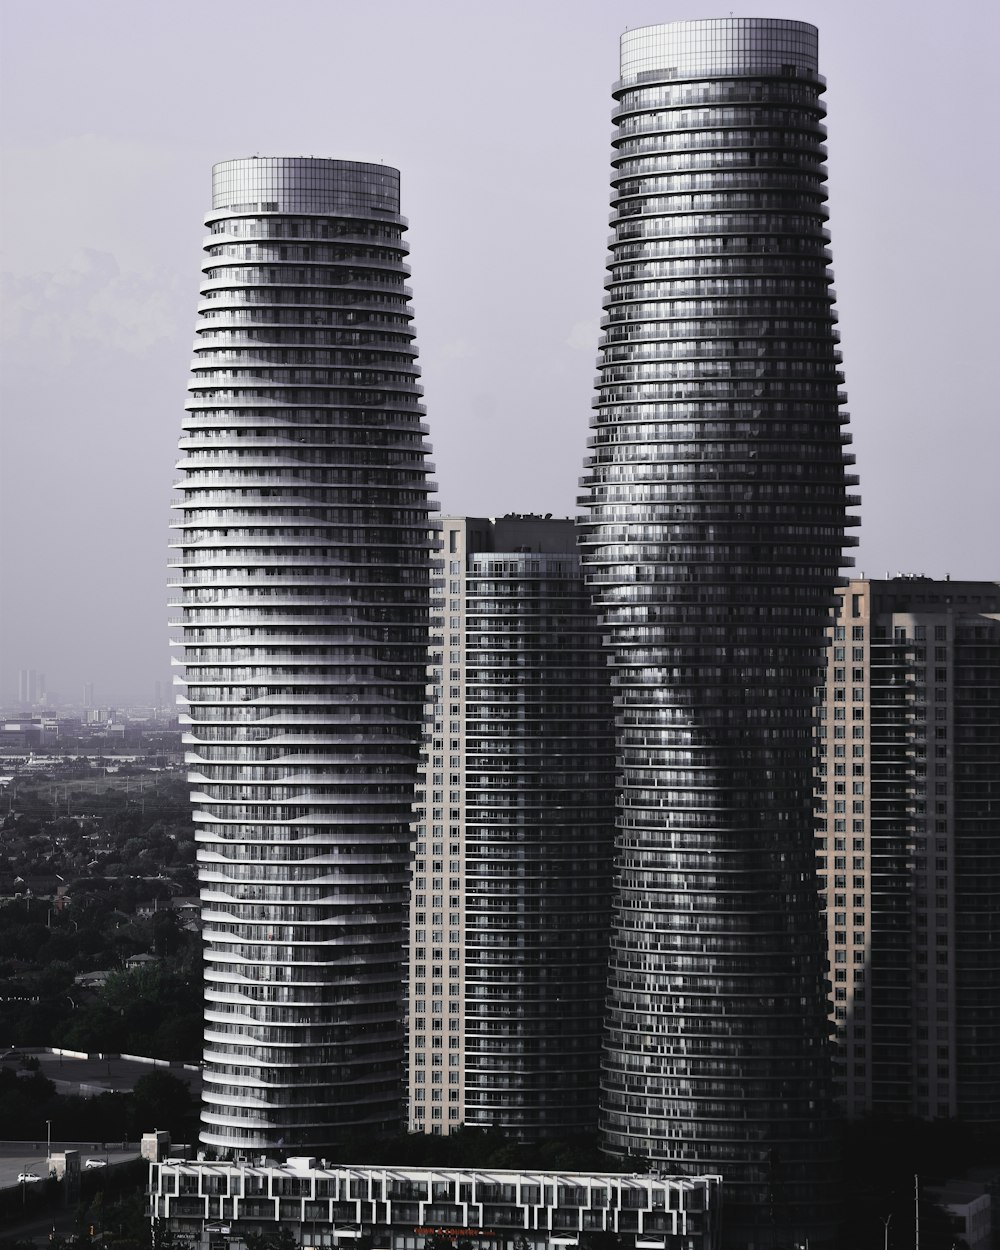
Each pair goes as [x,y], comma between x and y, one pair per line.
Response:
[303,556]
[717,500]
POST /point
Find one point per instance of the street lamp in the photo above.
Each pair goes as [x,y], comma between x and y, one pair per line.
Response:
[887,1221]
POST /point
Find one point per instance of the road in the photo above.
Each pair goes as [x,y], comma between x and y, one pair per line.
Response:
[29,1156]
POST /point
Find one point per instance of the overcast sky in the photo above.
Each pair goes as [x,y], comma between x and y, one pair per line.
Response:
[498,116]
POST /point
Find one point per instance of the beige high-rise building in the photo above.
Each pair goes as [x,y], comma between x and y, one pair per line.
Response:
[908,789]
[514,827]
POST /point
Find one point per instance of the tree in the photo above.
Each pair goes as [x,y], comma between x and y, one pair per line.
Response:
[280,1240]
[161,1100]
[881,1157]
[167,935]
[600,1240]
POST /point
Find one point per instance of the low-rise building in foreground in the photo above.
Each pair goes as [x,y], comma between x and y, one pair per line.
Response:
[322,1204]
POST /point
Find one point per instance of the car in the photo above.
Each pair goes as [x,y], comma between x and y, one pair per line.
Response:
[95,1163]
[27,1178]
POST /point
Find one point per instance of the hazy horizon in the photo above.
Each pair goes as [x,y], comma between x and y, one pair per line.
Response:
[499,119]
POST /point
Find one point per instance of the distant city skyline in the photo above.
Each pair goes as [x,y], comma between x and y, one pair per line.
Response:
[104,147]
[160,695]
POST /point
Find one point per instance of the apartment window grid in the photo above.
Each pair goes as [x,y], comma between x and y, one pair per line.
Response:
[847,660]
[506,627]
[909,732]
[437,963]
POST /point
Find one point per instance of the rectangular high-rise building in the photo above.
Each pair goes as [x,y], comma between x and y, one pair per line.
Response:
[30,687]
[908,793]
[512,884]
[302,553]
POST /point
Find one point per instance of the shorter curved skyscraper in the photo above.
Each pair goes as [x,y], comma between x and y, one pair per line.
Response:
[716,493]
[303,547]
